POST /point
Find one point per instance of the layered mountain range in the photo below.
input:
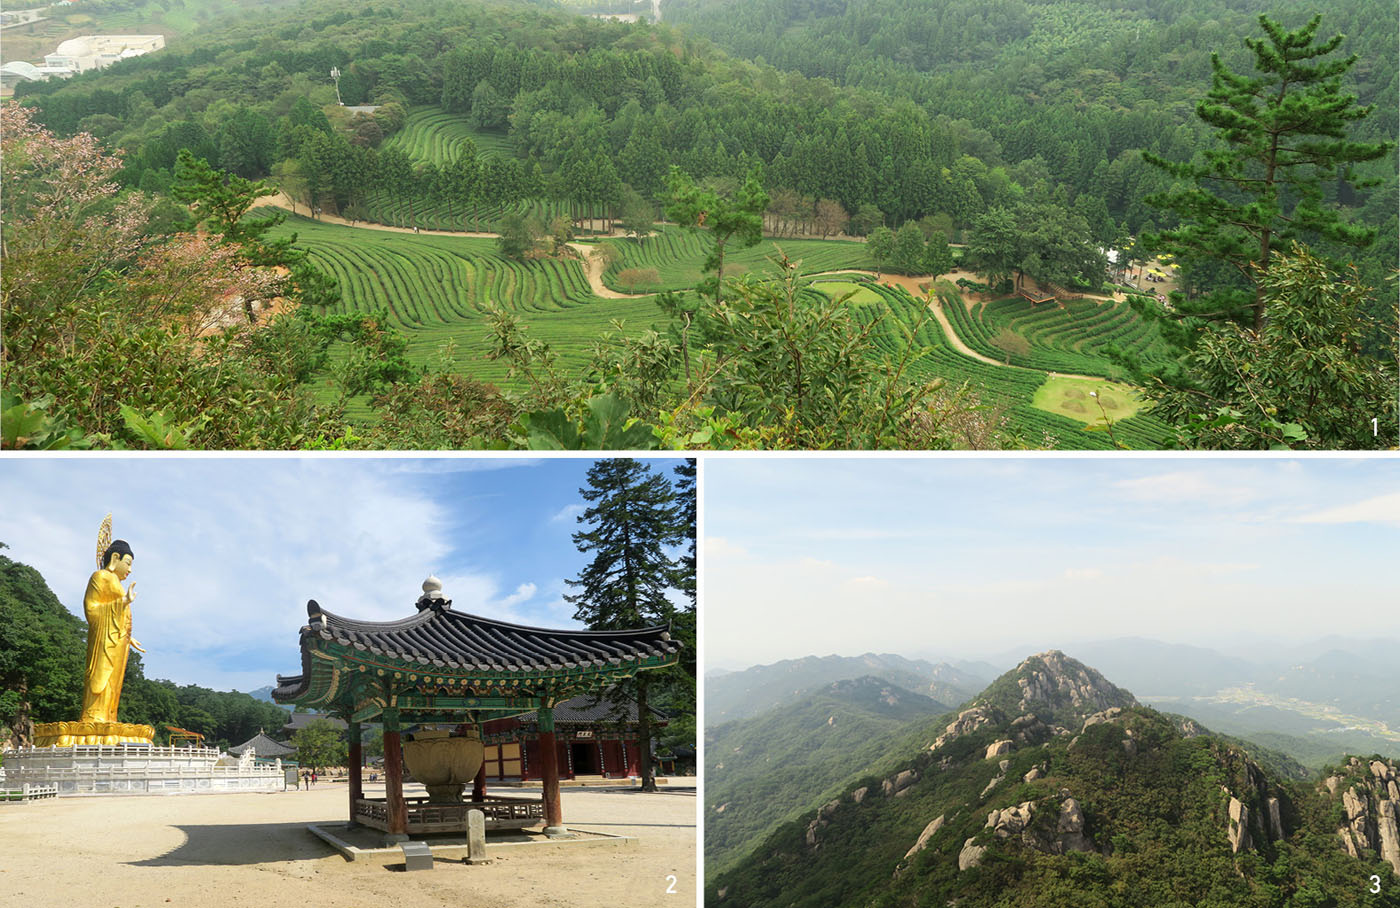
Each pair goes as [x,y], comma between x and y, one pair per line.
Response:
[742,695]
[1056,787]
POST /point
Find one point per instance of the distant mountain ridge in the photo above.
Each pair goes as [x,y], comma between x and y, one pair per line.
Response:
[1055,787]
[748,693]
[264,694]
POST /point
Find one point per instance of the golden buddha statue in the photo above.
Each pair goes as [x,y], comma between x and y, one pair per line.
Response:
[108,610]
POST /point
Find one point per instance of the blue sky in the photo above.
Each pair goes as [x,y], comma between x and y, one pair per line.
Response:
[228,550]
[963,557]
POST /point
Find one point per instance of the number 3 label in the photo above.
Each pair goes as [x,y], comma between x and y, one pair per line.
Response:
[1375,884]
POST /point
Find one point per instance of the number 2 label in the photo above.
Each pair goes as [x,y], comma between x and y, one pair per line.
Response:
[671,889]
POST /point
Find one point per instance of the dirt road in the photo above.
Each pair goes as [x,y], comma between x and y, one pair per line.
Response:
[231,850]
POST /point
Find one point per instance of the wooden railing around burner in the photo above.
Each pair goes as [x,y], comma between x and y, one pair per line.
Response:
[423,816]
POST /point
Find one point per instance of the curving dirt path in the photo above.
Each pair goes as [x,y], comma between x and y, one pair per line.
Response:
[282,200]
[593,270]
[935,305]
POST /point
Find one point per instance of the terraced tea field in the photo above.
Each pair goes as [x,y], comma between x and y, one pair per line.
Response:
[1009,386]
[384,208]
[1067,338]
[432,135]
[434,288]
[677,255]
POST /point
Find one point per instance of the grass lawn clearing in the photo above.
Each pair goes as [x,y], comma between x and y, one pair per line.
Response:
[1071,397]
[837,289]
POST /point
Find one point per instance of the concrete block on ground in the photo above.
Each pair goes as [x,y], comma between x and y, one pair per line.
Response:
[417,856]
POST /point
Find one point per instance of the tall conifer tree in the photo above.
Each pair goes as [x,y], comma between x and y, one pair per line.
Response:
[1246,206]
[1282,134]
[634,520]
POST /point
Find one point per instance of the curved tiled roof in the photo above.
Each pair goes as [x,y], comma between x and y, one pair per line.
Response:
[440,640]
[263,746]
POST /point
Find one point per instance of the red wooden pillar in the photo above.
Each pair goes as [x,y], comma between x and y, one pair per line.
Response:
[549,773]
[356,759]
[479,785]
[393,777]
[479,781]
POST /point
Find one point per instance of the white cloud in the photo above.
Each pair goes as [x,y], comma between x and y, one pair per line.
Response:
[523,593]
[1191,486]
[1083,573]
[1383,509]
[720,547]
[568,514]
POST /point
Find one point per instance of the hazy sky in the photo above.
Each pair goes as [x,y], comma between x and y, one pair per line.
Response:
[229,550]
[969,557]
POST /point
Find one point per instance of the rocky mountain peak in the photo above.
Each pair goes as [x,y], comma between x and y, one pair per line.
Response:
[1055,682]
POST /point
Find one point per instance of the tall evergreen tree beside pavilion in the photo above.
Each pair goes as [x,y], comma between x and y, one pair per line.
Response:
[633,520]
[679,691]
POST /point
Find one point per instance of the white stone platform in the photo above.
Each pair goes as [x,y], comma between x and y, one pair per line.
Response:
[137,770]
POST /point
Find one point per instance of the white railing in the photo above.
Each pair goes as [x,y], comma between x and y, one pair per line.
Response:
[27,792]
[119,750]
[141,772]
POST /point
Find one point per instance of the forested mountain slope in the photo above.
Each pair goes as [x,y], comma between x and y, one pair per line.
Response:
[532,123]
[1055,788]
[761,771]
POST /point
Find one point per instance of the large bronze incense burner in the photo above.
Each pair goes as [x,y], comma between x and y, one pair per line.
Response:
[444,762]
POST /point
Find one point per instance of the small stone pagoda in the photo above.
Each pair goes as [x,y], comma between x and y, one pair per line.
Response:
[446,672]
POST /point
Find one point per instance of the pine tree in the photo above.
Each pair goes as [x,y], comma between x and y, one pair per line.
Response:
[1283,135]
[739,218]
[634,520]
[1282,138]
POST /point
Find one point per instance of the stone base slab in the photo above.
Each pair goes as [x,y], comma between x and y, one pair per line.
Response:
[67,734]
[360,843]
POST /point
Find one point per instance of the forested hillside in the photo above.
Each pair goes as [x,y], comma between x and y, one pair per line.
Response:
[1039,133]
[1065,92]
[42,648]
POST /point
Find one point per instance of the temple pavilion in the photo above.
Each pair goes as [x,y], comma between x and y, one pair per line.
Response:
[442,668]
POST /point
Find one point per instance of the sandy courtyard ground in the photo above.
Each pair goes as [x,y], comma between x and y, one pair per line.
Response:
[254,850]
